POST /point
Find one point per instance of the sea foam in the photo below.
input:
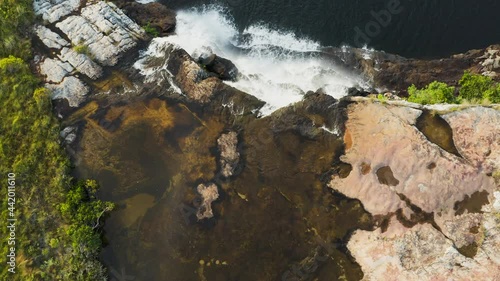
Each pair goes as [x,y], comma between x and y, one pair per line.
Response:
[275,66]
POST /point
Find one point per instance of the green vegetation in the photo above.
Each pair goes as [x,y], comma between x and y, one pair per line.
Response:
[435,92]
[58,219]
[474,88]
[15,21]
[152,31]
[381,98]
[82,49]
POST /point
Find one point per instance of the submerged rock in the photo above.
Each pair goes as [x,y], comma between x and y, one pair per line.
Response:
[209,193]
[229,155]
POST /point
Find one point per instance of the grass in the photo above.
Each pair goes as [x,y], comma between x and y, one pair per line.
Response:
[152,31]
[82,49]
[58,218]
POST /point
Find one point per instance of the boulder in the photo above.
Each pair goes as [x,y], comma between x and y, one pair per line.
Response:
[69,134]
[223,68]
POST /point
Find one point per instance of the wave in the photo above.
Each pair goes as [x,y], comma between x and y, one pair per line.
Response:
[275,66]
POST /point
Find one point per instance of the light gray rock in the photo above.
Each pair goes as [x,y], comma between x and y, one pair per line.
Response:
[69,134]
[71,89]
[82,63]
[105,29]
[496,64]
[53,10]
[50,38]
[55,70]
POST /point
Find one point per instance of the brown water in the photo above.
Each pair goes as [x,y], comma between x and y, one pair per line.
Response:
[273,217]
[437,131]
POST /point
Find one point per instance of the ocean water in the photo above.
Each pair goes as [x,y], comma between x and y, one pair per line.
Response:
[424,28]
[276,66]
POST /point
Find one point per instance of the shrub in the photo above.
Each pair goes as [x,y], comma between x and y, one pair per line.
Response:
[475,88]
[435,92]
[152,31]
[56,214]
[82,49]
[16,17]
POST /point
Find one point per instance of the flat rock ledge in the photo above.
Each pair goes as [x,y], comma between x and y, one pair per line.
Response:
[98,37]
[398,174]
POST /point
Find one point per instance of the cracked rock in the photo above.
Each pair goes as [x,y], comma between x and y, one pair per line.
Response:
[105,30]
[82,63]
[55,70]
[50,38]
[54,10]
[71,89]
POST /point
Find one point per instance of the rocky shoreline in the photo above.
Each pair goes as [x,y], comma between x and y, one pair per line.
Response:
[425,201]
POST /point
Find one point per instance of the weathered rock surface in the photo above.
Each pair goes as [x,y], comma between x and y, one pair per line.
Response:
[428,239]
[71,89]
[105,30]
[55,70]
[209,193]
[229,155]
[224,68]
[476,136]
[423,253]
[102,33]
[50,38]
[166,62]
[54,10]
[81,62]
[407,152]
[395,73]
[489,62]
[156,15]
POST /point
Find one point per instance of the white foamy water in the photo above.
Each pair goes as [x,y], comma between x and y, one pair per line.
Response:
[275,66]
[145,1]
